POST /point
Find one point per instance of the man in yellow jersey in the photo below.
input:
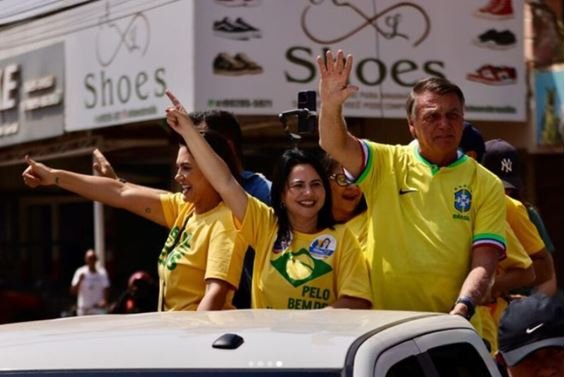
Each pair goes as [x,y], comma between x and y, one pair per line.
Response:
[502,159]
[436,216]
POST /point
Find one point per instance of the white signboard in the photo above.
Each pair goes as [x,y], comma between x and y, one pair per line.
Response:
[253,56]
[119,67]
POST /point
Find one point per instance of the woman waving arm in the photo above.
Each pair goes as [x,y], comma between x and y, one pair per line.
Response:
[213,167]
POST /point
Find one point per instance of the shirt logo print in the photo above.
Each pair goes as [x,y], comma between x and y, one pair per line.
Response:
[462,200]
[173,251]
[299,267]
[506,165]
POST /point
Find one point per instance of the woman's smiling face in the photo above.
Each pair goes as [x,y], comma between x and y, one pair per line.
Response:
[194,186]
[304,195]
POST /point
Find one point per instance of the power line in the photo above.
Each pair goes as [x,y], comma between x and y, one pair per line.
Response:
[86,21]
[24,8]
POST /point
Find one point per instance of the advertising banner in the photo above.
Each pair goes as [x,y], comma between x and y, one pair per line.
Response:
[254,56]
[32,95]
[120,63]
[549,106]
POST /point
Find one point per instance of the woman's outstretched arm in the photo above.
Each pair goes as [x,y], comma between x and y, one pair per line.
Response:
[213,167]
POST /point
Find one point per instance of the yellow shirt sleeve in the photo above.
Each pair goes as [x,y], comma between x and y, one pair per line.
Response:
[524,229]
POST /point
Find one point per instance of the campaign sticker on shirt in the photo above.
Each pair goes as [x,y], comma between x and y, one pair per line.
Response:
[323,246]
[281,244]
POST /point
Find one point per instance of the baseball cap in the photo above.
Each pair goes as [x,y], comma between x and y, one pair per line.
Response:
[528,325]
[472,140]
[502,159]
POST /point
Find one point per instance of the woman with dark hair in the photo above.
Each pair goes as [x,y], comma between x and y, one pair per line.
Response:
[200,264]
[291,270]
[348,202]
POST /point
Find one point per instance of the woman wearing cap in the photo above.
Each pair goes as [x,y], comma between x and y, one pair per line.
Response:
[200,263]
[291,270]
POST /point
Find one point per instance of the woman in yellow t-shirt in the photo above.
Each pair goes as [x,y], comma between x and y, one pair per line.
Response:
[348,202]
[303,260]
[200,264]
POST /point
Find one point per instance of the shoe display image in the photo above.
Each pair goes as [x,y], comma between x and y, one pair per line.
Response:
[236,30]
[496,10]
[496,40]
[494,75]
[238,65]
[253,31]
[239,3]
[251,67]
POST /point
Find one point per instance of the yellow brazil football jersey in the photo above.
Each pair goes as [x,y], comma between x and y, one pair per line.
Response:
[424,222]
[524,229]
[199,247]
[487,317]
[358,226]
[309,272]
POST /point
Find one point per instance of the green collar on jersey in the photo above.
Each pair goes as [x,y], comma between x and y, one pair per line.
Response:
[461,158]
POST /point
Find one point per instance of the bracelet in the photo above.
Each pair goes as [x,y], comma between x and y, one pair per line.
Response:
[469,303]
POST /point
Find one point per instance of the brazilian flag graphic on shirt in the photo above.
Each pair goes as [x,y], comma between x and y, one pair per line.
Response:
[299,267]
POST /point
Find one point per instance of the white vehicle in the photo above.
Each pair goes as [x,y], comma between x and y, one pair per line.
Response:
[247,343]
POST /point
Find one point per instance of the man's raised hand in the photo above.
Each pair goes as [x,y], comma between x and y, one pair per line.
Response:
[334,85]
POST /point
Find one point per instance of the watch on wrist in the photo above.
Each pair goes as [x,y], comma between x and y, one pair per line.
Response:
[469,303]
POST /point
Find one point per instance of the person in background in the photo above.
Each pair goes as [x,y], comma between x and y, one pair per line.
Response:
[140,296]
[200,263]
[348,202]
[531,337]
[472,142]
[90,284]
[502,159]
[227,125]
[291,270]
[436,217]
[514,272]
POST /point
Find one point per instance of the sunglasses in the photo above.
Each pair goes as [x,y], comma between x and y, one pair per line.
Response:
[340,179]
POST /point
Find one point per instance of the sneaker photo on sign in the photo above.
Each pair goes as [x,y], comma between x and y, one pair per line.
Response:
[494,75]
[237,30]
[239,64]
[497,40]
[496,10]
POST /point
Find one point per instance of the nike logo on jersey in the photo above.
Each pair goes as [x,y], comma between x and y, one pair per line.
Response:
[530,330]
[406,191]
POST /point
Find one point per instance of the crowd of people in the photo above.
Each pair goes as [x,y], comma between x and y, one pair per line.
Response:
[435,225]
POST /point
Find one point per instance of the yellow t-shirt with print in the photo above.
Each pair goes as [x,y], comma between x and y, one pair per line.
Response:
[199,247]
[424,222]
[487,317]
[309,273]
[524,229]
[358,226]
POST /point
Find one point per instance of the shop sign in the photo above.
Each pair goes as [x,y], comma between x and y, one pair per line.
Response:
[119,68]
[254,56]
[31,95]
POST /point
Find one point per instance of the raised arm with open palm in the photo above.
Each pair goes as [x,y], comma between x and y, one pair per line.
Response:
[213,167]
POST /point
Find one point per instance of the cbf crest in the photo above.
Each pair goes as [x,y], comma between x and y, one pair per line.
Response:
[462,199]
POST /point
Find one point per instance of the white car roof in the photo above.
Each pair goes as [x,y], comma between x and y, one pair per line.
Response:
[283,339]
